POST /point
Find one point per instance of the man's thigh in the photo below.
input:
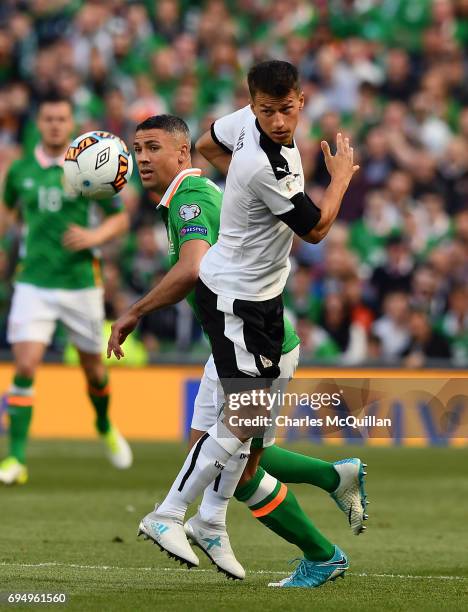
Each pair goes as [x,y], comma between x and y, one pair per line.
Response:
[33,314]
[82,313]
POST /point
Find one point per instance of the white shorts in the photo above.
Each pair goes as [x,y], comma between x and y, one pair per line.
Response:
[210,396]
[35,311]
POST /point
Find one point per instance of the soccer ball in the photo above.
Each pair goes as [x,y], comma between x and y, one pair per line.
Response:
[97,165]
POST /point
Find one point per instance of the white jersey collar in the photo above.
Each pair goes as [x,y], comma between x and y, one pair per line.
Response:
[174,186]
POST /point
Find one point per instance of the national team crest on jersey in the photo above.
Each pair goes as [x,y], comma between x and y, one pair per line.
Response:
[193,229]
[290,185]
[189,211]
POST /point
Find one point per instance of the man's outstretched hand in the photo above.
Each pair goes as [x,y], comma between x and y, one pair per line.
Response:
[341,165]
[119,332]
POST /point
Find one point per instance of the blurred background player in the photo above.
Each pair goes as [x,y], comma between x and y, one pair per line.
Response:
[58,279]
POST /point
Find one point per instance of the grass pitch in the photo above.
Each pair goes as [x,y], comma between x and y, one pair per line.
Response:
[72,529]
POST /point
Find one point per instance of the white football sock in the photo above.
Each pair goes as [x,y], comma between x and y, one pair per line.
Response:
[205,461]
[216,497]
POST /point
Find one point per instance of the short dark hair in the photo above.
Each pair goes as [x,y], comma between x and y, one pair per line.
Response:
[54,97]
[275,78]
[168,123]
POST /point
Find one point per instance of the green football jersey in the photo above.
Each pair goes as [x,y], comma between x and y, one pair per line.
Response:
[192,213]
[47,212]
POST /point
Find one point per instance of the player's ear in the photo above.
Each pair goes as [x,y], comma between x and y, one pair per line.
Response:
[184,153]
[301,100]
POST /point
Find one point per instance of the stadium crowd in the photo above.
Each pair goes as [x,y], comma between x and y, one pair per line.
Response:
[390,283]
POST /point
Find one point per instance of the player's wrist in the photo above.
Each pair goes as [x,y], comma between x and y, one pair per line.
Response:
[340,182]
[137,311]
[95,238]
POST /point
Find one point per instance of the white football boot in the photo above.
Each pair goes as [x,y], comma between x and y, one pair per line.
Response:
[214,542]
[169,535]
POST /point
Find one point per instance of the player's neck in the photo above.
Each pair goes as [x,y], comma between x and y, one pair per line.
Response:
[53,151]
[161,190]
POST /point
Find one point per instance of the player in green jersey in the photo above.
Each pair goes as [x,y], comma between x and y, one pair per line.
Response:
[58,279]
[191,207]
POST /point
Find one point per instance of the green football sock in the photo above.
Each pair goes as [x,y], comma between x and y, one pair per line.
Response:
[99,395]
[274,505]
[294,467]
[20,405]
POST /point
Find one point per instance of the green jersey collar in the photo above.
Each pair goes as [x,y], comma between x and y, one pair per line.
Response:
[174,186]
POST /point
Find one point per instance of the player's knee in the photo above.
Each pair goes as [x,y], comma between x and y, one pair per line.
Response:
[26,367]
[94,370]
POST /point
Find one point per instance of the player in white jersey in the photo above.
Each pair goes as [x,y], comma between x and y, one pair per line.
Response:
[243,275]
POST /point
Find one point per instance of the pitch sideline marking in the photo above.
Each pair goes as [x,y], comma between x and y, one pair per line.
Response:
[179,569]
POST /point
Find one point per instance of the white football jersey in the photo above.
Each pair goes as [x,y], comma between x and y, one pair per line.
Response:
[263,205]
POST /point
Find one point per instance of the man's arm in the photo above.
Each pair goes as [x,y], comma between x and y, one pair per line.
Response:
[214,151]
[341,169]
[77,238]
[218,143]
[173,288]
[9,200]
[287,201]
[8,217]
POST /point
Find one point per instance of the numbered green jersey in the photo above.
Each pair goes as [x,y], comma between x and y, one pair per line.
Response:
[34,185]
[191,208]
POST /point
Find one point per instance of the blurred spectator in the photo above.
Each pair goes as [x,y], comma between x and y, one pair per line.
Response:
[395,273]
[167,20]
[353,290]
[454,323]
[368,235]
[399,81]
[428,290]
[392,328]
[453,169]
[428,129]
[378,162]
[427,224]
[424,343]
[143,261]
[116,119]
[316,344]
[299,298]
[374,350]
[399,191]
[350,337]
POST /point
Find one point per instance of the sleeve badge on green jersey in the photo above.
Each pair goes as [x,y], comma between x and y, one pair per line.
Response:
[193,229]
[189,211]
